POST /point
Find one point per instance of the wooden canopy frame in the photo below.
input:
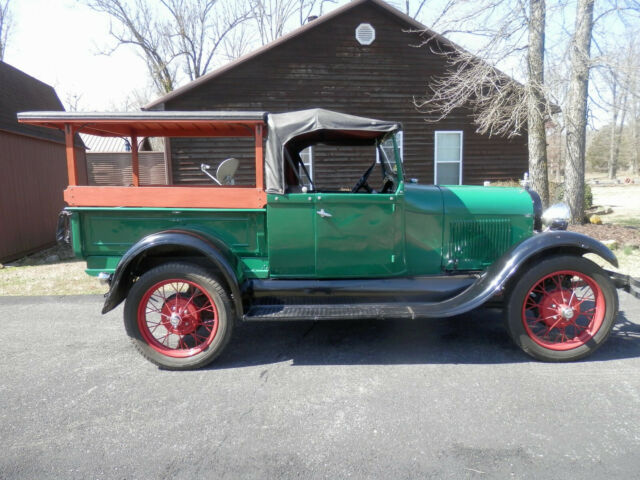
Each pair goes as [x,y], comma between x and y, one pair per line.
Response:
[158,124]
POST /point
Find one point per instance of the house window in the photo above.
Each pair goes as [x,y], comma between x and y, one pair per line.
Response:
[448,158]
[307,158]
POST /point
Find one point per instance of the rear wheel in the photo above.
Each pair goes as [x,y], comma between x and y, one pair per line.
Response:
[562,309]
[178,316]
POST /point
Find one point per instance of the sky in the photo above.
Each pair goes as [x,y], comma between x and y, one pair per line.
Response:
[59,42]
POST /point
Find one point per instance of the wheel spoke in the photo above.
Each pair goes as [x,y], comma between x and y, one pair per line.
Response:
[191,330]
[552,314]
[205,308]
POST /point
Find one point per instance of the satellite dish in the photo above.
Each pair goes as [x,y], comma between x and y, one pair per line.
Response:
[227,170]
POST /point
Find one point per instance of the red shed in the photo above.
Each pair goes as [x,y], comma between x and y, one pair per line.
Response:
[34,168]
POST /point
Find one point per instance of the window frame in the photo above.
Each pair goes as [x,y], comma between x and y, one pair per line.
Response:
[309,167]
[435,155]
[399,135]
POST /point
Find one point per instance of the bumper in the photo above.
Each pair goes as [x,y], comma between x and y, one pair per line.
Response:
[625,282]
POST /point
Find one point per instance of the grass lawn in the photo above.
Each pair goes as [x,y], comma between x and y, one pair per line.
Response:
[64,278]
[53,271]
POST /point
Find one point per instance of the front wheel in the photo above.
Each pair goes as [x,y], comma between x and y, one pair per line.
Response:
[178,316]
[562,309]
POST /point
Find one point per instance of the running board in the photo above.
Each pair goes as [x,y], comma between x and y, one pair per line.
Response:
[365,311]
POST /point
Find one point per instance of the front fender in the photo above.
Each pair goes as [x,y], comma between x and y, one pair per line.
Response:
[495,278]
[214,251]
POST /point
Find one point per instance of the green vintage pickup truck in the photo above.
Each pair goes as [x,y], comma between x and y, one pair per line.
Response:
[190,261]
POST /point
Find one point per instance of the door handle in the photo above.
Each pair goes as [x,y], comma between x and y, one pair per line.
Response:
[323,214]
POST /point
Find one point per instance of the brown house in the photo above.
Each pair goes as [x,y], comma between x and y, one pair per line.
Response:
[33,163]
[360,59]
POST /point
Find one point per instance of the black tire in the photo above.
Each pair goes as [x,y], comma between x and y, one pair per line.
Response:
[199,335]
[548,326]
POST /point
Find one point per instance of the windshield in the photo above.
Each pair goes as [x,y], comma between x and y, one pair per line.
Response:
[341,163]
[387,156]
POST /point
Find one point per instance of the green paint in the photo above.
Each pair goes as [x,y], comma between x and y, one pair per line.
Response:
[418,230]
[359,239]
[103,235]
[481,223]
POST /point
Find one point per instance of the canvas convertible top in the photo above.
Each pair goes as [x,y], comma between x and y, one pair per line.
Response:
[291,131]
[297,130]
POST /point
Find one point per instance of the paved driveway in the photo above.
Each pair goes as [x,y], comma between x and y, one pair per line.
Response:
[440,399]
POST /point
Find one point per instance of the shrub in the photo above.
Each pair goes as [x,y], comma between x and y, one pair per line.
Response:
[556,193]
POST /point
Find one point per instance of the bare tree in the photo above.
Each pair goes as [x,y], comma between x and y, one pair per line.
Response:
[238,42]
[415,11]
[630,71]
[576,111]
[619,92]
[536,101]
[5,26]
[273,18]
[137,24]
[73,101]
[199,28]
[173,35]
[634,95]
[501,105]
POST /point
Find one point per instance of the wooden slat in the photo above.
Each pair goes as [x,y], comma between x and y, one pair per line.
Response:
[170,197]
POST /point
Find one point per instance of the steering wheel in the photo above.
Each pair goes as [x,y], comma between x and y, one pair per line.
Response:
[362,183]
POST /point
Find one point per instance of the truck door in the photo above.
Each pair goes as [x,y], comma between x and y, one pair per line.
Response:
[291,235]
[358,235]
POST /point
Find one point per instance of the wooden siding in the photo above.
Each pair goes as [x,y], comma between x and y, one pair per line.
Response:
[188,154]
[111,168]
[34,176]
[326,67]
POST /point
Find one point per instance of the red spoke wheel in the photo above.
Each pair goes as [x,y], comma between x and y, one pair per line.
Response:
[178,316]
[561,309]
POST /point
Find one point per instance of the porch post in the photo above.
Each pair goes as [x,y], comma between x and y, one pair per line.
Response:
[259,159]
[134,160]
[72,169]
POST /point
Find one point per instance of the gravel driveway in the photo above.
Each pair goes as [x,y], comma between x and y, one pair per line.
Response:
[440,399]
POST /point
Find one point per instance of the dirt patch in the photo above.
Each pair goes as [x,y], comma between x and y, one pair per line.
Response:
[623,234]
[623,200]
[57,254]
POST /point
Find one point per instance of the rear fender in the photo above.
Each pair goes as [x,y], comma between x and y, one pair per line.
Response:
[167,243]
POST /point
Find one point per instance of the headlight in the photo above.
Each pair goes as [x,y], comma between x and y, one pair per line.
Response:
[556,217]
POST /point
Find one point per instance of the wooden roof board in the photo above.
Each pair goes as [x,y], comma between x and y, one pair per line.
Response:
[151,124]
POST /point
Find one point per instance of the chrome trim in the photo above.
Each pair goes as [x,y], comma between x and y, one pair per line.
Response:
[105,278]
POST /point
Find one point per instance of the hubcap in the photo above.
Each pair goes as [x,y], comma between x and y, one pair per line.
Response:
[180,315]
[568,313]
[175,320]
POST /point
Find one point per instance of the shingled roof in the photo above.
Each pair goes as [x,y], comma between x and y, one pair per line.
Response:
[20,92]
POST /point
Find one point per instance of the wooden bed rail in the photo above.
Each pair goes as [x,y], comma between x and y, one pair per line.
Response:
[163,124]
